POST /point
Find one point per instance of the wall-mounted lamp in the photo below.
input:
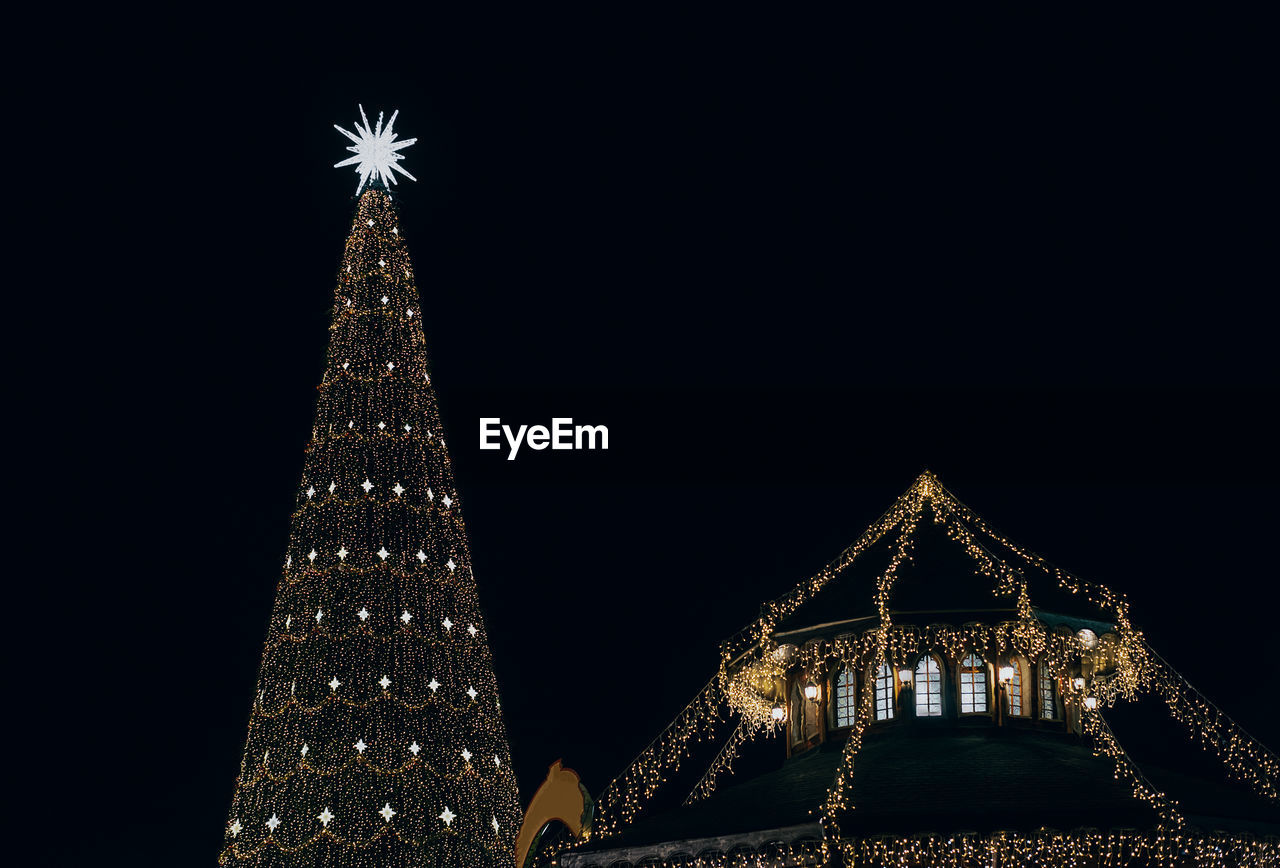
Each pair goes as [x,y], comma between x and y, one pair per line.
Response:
[1077,683]
[1006,674]
[811,691]
[779,713]
[1091,702]
[1088,639]
[904,675]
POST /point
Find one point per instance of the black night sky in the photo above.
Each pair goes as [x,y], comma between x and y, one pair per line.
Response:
[789,263]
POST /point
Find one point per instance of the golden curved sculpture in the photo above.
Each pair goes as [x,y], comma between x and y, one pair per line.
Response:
[561,797]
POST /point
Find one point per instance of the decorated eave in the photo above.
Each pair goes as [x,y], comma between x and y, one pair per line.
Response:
[871,606]
[1071,623]
[975,592]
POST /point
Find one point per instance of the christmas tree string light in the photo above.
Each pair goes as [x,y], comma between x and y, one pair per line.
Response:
[376,734]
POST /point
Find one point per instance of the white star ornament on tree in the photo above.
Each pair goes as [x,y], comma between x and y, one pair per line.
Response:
[375,151]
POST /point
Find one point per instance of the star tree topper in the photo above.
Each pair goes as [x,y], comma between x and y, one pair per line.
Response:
[375,151]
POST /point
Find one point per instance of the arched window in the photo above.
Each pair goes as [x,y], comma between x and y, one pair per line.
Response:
[928,687]
[1048,698]
[845,708]
[884,692]
[1017,685]
[973,685]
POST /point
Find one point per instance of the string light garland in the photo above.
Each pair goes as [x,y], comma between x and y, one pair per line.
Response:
[1105,744]
[838,795]
[1244,757]
[626,795]
[1051,849]
[1046,848]
[1088,677]
[745,731]
[747,690]
[376,734]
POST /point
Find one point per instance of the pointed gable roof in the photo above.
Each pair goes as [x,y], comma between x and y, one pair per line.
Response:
[930,552]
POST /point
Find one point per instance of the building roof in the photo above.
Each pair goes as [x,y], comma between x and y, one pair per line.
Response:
[954,779]
[946,779]
[908,780]
[788,796]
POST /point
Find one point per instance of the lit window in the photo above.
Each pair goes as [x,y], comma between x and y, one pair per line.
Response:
[1048,702]
[846,710]
[973,685]
[928,687]
[884,692]
[1016,684]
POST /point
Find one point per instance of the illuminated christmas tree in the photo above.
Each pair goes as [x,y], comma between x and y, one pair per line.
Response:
[376,735]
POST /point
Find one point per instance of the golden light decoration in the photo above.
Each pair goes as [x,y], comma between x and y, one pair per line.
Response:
[723,762]
[1046,848]
[626,795]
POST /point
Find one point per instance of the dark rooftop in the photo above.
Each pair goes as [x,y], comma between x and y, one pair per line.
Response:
[945,779]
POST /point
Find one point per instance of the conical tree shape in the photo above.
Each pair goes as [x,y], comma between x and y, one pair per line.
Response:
[376,735]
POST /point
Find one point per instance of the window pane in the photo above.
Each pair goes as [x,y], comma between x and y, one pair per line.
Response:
[973,685]
[845,710]
[928,687]
[1048,704]
[1015,689]
[884,693]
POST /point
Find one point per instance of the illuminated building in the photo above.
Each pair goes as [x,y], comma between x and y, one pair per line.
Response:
[941,696]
